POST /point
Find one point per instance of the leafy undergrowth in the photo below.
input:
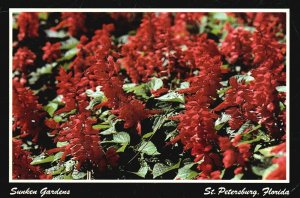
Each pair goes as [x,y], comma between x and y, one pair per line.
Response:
[149,96]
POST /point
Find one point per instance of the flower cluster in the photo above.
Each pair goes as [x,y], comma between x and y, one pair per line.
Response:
[21,164]
[202,94]
[51,51]
[73,21]
[27,112]
[28,23]
[23,58]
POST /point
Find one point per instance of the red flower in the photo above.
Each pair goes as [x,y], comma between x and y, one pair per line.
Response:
[133,113]
[237,45]
[74,21]
[238,170]
[23,58]
[27,112]
[51,51]
[112,157]
[279,148]
[83,140]
[159,92]
[28,23]
[234,154]
[229,158]
[215,175]
[280,172]
[21,164]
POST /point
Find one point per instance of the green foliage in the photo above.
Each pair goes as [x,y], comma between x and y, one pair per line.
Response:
[160,169]
[148,148]
[186,173]
[172,97]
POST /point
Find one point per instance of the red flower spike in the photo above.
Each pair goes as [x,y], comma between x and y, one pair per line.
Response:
[74,21]
[23,58]
[27,112]
[83,140]
[51,51]
[21,164]
[28,23]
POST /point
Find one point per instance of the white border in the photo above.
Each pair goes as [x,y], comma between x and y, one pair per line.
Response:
[287,11]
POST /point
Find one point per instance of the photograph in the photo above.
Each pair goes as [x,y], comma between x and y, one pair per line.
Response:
[166,95]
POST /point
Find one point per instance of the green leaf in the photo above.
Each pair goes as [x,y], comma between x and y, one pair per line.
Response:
[172,134]
[69,54]
[57,118]
[15,24]
[56,34]
[35,76]
[258,170]
[43,16]
[139,90]
[57,156]
[94,102]
[267,151]
[158,122]
[41,159]
[172,97]
[160,169]
[220,16]
[62,144]
[220,122]
[147,135]
[238,176]
[121,137]
[95,94]
[78,175]
[101,126]
[69,165]
[55,170]
[186,172]
[69,44]
[51,107]
[142,172]
[122,148]
[109,131]
[68,177]
[123,39]
[155,84]
[222,91]
[281,105]
[183,85]
[72,112]
[244,127]
[281,88]
[257,147]
[246,78]
[148,148]
[222,173]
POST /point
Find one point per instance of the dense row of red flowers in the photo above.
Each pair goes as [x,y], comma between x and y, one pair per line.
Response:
[162,47]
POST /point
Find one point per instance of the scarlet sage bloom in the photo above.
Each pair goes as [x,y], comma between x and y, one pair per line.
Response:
[234,154]
[150,52]
[21,164]
[83,140]
[51,51]
[133,113]
[28,23]
[237,45]
[196,124]
[23,58]
[27,112]
[74,21]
